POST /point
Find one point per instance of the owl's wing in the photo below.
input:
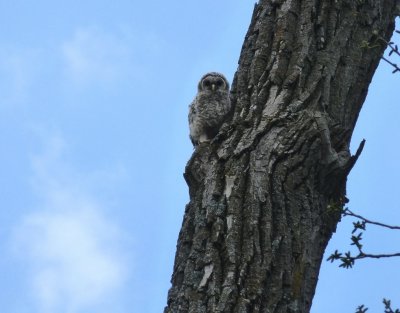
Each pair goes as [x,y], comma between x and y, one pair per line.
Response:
[192,117]
[192,112]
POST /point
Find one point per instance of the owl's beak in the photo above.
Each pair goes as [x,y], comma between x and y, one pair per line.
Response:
[213,87]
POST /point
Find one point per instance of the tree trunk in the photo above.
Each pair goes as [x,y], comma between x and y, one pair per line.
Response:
[267,192]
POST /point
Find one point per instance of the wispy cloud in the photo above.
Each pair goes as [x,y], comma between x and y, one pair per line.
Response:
[69,244]
[92,55]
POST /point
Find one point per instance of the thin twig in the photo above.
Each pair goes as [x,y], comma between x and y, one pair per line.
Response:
[394,48]
[350,213]
[396,67]
[363,255]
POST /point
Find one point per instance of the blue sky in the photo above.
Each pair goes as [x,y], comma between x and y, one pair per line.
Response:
[94,141]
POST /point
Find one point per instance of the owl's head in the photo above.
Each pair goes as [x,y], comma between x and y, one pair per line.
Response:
[213,81]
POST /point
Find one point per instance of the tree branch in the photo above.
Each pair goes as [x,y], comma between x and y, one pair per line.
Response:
[393,49]
[347,258]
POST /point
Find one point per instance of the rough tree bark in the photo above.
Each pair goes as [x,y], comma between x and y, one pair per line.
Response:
[266,193]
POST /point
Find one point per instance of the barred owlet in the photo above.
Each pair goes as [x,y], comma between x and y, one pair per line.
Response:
[209,108]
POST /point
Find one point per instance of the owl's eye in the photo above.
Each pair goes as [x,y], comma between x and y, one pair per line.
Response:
[219,83]
[206,84]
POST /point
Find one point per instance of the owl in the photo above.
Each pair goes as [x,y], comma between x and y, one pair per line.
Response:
[209,108]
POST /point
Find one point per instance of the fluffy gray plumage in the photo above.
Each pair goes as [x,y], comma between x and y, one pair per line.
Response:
[209,108]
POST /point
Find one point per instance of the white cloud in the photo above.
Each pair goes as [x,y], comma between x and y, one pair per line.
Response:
[72,249]
[72,265]
[95,56]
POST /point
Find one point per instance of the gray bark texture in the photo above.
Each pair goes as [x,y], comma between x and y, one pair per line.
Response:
[266,193]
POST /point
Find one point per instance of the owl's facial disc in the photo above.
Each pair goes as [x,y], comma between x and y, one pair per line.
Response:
[213,83]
